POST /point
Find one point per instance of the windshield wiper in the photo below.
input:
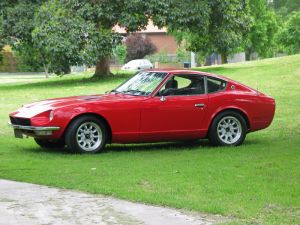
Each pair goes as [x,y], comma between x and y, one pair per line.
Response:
[114,91]
[134,92]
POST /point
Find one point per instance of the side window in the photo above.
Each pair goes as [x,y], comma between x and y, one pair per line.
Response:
[182,82]
[215,84]
[183,85]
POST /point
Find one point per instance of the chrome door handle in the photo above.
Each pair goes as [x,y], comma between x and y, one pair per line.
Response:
[199,105]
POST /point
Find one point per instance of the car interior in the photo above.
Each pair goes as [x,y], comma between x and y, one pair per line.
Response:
[191,85]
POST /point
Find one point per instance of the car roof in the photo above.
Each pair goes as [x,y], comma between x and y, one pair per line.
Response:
[187,71]
[137,60]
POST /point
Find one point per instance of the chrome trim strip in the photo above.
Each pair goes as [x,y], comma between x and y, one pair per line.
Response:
[20,127]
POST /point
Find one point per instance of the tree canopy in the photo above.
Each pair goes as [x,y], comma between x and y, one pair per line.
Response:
[228,24]
[61,33]
[289,37]
[264,27]
[285,7]
[37,23]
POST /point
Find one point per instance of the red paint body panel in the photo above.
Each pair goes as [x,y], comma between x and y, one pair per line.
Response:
[147,119]
[173,119]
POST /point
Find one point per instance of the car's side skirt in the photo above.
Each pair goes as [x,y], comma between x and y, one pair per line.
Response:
[158,136]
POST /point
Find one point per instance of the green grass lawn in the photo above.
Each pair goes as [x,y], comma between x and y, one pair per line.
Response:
[256,183]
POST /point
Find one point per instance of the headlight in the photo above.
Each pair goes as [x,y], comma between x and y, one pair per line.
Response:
[51,115]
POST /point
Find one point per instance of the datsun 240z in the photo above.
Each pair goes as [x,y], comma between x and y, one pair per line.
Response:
[152,106]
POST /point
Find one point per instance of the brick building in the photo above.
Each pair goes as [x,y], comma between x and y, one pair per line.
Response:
[164,43]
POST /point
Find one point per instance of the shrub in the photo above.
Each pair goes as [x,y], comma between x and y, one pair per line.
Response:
[120,52]
[27,58]
[138,47]
[289,37]
[8,60]
[182,55]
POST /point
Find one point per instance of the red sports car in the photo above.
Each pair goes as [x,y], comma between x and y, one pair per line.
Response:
[152,106]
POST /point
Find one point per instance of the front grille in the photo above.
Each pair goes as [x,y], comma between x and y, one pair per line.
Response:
[20,121]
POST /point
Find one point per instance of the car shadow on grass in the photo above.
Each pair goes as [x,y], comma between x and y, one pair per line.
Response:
[144,147]
[165,146]
[161,146]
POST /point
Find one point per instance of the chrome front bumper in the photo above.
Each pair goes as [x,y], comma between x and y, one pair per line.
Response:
[39,131]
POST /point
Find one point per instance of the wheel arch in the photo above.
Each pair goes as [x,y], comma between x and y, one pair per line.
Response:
[98,116]
[241,112]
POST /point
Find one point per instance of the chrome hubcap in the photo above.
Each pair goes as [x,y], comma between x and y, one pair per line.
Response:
[89,136]
[229,130]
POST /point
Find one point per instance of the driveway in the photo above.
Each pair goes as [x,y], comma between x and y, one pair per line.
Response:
[28,204]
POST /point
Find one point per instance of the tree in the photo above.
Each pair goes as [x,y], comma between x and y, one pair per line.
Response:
[18,19]
[102,15]
[222,22]
[289,37]
[285,7]
[138,47]
[1,37]
[263,30]
[59,37]
[17,24]
[229,23]
[133,15]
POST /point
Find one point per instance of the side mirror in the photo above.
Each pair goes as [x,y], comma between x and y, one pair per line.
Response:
[162,98]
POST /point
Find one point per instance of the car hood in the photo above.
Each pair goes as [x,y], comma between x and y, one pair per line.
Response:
[33,109]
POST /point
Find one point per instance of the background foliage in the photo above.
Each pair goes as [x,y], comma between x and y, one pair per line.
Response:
[80,32]
[120,52]
[138,47]
[289,36]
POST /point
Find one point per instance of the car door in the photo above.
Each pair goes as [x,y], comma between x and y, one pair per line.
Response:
[177,115]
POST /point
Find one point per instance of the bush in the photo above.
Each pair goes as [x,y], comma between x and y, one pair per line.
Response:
[120,52]
[161,57]
[60,68]
[27,58]
[182,55]
[138,47]
[8,60]
[289,37]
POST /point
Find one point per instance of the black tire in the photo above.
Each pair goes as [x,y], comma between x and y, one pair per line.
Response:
[71,134]
[45,143]
[221,137]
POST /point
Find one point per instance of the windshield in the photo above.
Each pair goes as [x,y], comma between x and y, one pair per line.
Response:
[144,83]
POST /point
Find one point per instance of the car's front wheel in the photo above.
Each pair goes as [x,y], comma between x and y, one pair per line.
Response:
[86,134]
[228,129]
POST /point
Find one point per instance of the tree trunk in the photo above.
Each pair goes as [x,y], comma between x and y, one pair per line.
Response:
[248,53]
[46,69]
[102,68]
[224,58]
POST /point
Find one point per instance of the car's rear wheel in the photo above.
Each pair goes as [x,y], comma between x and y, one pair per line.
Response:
[228,129]
[86,134]
[45,143]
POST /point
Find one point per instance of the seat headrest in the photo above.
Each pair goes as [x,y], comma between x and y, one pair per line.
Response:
[172,84]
